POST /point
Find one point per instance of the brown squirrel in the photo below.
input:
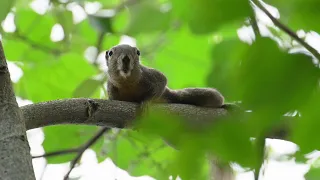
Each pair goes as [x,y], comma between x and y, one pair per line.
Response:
[128,80]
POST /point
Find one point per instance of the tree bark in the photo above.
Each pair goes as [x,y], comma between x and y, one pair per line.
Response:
[15,158]
[118,114]
[111,113]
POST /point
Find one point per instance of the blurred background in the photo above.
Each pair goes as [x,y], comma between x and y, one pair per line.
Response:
[56,48]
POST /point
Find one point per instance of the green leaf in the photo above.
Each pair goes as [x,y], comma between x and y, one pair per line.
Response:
[19,50]
[146,17]
[304,131]
[227,140]
[35,27]
[155,164]
[84,35]
[109,3]
[230,141]
[67,137]
[191,168]
[123,145]
[87,88]
[53,78]
[172,129]
[140,154]
[65,19]
[101,22]
[5,7]
[274,81]
[184,59]
[110,41]
[313,174]
[206,16]
[225,65]
[15,50]
[120,20]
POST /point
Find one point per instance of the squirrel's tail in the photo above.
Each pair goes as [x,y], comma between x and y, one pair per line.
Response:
[204,97]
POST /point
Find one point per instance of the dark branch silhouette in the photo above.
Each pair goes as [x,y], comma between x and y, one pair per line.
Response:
[287,30]
[85,147]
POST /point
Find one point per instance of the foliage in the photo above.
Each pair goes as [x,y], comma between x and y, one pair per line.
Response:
[194,43]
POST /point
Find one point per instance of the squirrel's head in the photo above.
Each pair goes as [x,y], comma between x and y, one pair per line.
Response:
[123,61]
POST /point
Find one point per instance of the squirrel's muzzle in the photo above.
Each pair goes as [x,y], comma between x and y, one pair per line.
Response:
[125,64]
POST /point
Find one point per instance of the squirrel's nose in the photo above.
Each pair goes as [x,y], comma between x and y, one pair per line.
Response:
[126,60]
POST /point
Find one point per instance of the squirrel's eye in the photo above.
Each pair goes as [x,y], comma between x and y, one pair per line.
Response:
[110,53]
[138,52]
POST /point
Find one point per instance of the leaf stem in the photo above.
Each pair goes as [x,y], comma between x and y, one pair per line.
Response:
[99,43]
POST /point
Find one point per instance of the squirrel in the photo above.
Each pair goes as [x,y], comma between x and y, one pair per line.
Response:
[129,80]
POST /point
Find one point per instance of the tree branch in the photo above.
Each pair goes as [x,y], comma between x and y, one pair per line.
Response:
[110,113]
[99,42]
[57,153]
[119,114]
[80,150]
[313,51]
[25,39]
[83,148]
[255,26]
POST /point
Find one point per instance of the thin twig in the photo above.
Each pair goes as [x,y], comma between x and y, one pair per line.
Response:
[121,6]
[57,153]
[85,147]
[253,22]
[255,26]
[313,51]
[261,143]
[36,45]
[100,39]
[159,41]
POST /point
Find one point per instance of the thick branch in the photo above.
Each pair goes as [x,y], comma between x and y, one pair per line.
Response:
[115,114]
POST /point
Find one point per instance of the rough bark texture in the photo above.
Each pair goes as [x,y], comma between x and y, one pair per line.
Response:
[118,114]
[109,113]
[15,158]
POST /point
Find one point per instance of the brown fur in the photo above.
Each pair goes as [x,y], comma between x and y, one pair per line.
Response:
[144,83]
